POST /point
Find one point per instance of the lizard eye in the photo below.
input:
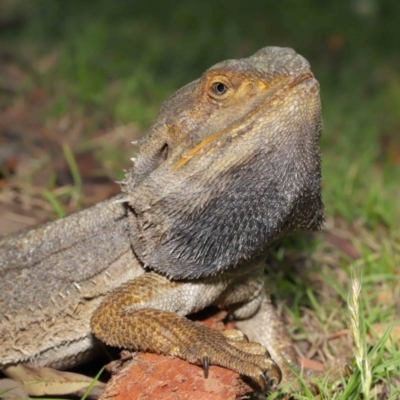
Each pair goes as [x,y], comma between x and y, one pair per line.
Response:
[219,88]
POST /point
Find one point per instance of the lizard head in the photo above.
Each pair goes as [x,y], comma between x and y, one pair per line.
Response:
[230,165]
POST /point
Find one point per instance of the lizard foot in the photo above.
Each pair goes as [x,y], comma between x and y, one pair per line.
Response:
[167,333]
[232,349]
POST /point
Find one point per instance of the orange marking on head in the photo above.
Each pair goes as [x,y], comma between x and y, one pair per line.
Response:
[185,158]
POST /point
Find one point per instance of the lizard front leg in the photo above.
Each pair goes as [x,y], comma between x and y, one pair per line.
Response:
[249,303]
[267,328]
[147,314]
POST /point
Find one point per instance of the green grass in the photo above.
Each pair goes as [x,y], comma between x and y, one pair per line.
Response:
[123,59]
[119,60]
[335,304]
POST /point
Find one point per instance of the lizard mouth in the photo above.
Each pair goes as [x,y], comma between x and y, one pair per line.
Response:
[306,78]
[300,79]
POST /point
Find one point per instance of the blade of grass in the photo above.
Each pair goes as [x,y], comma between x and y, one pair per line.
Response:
[76,176]
[90,387]
[358,333]
[52,199]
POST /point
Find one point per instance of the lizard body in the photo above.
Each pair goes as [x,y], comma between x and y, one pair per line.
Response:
[51,284]
[230,165]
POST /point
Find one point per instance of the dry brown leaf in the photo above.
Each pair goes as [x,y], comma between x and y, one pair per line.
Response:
[385,297]
[377,330]
[43,381]
[312,364]
[10,389]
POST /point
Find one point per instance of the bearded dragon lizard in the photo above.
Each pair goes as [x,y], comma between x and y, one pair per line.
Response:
[230,165]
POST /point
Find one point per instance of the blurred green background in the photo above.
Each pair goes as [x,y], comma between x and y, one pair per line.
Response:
[117,60]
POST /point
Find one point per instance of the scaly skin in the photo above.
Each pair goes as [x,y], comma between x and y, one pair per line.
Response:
[230,165]
[52,279]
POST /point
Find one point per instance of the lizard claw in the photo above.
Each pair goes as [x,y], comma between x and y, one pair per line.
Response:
[276,371]
[266,382]
[206,363]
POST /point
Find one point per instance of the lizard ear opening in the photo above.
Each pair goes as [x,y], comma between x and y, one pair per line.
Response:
[163,154]
[144,165]
[152,161]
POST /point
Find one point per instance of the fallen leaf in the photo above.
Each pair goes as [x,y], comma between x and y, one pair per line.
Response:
[345,245]
[10,389]
[44,381]
[312,364]
[378,330]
